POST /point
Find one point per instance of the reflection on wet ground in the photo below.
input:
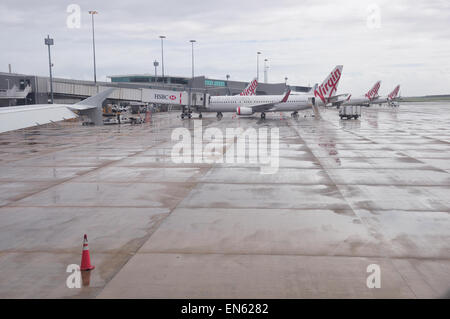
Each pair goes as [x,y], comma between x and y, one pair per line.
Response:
[347,194]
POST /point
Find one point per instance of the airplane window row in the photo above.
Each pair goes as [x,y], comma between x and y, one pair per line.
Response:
[254,102]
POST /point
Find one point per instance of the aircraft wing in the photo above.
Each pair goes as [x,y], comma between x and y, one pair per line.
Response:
[268,106]
[18,117]
[337,98]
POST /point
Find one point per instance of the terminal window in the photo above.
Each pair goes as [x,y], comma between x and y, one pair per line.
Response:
[214,83]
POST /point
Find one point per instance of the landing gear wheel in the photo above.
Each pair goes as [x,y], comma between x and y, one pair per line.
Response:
[190,115]
[294,115]
[182,116]
[219,115]
[200,116]
[263,116]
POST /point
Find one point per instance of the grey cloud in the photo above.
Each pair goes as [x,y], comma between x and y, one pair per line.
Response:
[302,40]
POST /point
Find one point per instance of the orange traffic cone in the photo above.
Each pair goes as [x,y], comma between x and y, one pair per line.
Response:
[85,257]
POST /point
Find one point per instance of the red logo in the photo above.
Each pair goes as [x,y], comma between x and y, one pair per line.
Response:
[250,89]
[394,93]
[172,97]
[373,91]
[329,86]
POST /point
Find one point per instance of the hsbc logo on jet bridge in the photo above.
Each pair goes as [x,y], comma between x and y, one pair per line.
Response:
[165,97]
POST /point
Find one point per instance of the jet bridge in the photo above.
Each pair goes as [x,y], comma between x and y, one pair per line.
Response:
[200,101]
[15,93]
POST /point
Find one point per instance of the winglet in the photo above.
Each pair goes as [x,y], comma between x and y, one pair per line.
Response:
[285,98]
[92,106]
[93,101]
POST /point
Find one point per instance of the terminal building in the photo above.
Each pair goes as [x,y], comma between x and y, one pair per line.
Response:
[21,89]
[203,84]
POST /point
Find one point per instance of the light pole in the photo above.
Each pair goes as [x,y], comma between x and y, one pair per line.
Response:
[265,70]
[192,81]
[162,37]
[257,65]
[92,12]
[192,42]
[49,42]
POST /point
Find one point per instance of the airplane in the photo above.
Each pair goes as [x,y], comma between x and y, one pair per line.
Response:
[18,117]
[390,99]
[249,90]
[248,105]
[328,101]
[365,100]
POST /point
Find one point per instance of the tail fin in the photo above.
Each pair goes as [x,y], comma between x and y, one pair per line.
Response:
[329,86]
[394,93]
[373,92]
[251,88]
[286,96]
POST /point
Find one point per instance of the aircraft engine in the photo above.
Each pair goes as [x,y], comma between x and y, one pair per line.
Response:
[244,111]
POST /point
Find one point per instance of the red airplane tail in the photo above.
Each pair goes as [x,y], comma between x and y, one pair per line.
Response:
[251,88]
[373,92]
[394,93]
[329,86]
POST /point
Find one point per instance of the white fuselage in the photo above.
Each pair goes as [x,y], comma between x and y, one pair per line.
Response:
[362,100]
[231,103]
[382,99]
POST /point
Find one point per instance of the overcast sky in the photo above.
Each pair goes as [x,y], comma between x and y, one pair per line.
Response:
[405,42]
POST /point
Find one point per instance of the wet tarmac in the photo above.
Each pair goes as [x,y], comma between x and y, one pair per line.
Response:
[347,194]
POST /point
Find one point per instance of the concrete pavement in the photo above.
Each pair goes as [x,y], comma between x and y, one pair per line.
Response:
[347,194]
